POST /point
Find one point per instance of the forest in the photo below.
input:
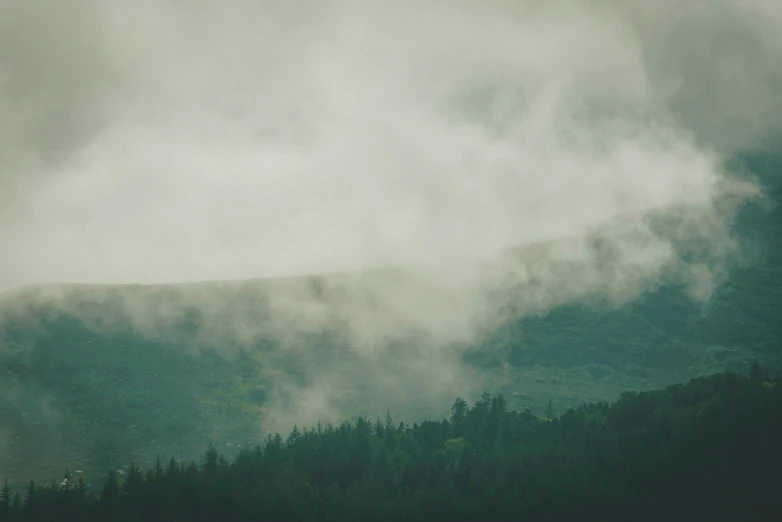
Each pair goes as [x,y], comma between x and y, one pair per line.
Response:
[705,450]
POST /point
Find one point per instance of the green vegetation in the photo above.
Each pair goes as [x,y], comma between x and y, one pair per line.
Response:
[91,400]
[93,396]
[707,450]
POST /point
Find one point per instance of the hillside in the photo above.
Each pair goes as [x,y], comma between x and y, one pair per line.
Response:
[664,336]
[93,376]
[707,450]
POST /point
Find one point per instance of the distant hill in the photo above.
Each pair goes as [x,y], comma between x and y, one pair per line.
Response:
[92,376]
[664,336]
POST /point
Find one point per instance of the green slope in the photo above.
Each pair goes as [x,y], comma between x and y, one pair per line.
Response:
[93,394]
[705,450]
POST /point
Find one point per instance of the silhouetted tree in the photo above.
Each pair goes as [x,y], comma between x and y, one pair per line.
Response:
[459,416]
[710,449]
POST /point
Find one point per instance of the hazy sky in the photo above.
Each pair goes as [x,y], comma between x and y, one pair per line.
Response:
[172,140]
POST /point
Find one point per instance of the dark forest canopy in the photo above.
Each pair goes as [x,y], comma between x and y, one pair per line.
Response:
[707,450]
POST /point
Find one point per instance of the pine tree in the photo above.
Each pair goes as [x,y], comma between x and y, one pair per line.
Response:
[32,493]
[172,470]
[294,436]
[549,413]
[5,497]
[133,483]
[81,489]
[378,429]
[458,416]
[158,468]
[110,494]
[210,459]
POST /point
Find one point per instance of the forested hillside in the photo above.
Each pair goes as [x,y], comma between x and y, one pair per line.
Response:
[707,450]
[93,393]
[417,260]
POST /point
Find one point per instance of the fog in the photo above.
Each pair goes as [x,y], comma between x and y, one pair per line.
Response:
[542,152]
[167,141]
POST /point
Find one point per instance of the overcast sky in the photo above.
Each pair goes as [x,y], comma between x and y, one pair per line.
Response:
[167,140]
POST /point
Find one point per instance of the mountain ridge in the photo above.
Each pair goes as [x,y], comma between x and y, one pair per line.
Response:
[80,384]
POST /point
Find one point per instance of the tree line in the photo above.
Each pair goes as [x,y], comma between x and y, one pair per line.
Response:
[710,449]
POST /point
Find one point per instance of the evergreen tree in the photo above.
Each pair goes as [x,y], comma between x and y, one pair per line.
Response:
[210,459]
[5,497]
[459,416]
[110,494]
[549,413]
[709,448]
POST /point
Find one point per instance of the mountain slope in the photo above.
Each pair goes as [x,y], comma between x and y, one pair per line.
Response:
[90,376]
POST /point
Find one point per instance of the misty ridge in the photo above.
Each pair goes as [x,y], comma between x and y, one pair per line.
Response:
[339,203]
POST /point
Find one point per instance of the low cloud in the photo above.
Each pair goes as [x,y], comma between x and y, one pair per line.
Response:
[452,162]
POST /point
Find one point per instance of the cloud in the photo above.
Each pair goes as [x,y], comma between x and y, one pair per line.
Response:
[162,141]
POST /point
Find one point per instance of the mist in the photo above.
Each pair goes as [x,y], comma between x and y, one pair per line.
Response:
[505,157]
